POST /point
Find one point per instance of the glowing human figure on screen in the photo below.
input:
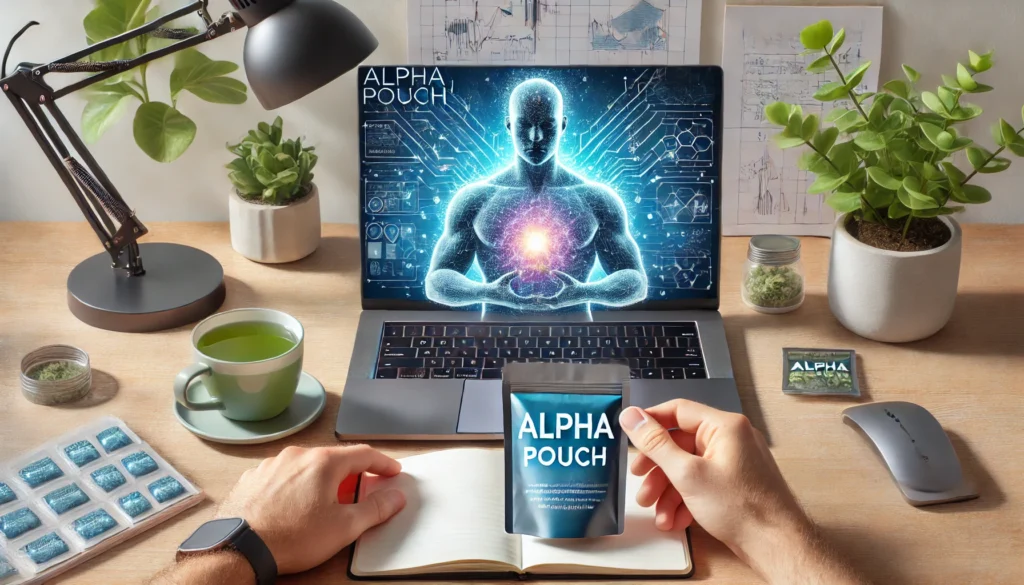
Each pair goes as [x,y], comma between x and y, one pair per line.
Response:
[536,229]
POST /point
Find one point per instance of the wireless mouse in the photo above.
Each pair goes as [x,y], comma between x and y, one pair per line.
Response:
[917,451]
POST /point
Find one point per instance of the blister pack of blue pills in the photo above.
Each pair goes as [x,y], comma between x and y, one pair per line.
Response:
[81,494]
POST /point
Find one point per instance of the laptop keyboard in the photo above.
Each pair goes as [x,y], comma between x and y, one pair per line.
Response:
[654,351]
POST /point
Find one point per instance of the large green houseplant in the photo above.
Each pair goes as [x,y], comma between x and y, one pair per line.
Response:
[886,163]
[274,206]
[160,129]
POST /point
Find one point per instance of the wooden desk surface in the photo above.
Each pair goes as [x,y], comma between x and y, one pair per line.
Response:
[970,375]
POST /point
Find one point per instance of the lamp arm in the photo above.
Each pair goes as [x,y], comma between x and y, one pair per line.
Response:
[227,23]
[137,32]
[92,190]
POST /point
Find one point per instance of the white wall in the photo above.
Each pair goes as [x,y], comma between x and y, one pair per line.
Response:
[929,34]
[195,186]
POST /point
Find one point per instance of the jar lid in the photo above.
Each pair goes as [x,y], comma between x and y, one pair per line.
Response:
[773,250]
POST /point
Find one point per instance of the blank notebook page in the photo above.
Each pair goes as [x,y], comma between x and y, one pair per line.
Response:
[454,511]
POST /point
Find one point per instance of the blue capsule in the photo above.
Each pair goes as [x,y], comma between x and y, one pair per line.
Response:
[81,453]
[7,495]
[6,568]
[65,498]
[134,504]
[165,489]
[108,478]
[93,524]
[14,524]
[45,548]
[139,464]
[113,439]
[39,472]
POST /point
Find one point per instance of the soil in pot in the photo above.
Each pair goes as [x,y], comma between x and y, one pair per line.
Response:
[924,234]
[257,200]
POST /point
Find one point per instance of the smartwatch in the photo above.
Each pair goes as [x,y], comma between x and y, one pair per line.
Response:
[232,534]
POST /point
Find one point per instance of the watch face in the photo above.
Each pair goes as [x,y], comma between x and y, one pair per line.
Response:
[211,534]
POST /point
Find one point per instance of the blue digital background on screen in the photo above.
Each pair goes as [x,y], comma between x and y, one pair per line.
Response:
[530,189]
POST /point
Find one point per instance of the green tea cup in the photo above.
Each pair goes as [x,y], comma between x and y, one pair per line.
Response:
[250,361]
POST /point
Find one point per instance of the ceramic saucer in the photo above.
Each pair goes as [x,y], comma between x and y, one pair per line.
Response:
[310,399]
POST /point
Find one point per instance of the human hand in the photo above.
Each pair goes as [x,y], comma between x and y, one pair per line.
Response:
[715,469]
[573,292]
[500,292]
[291,501]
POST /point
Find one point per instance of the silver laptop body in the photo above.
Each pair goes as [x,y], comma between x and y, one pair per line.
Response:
[435,149]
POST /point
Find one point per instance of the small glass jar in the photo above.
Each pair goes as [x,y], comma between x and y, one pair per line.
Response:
[50,392]
[773,276]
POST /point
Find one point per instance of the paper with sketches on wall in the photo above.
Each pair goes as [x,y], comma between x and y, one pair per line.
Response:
[763,191]
[555,32]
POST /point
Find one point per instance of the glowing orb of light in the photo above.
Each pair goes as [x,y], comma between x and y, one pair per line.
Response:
[536,242]
[535,238]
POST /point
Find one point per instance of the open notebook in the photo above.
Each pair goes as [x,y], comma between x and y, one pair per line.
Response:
[453,525]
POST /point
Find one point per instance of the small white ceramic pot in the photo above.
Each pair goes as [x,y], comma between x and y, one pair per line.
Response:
[892,296]
[275,233]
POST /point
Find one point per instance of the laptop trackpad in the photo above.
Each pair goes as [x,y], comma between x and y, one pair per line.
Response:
[481,407]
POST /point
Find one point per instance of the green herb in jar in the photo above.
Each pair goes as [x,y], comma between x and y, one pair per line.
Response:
[774,286]
[56,371]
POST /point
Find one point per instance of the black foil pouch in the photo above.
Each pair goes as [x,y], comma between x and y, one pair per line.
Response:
[565,454]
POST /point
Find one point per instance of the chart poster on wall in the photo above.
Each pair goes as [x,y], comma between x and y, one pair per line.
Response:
[764,189]
[521,189]
[554,32]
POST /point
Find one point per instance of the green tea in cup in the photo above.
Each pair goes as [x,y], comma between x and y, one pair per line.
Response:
[246,341]
[249,360]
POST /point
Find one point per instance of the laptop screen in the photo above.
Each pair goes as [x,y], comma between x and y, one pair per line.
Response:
[540,189]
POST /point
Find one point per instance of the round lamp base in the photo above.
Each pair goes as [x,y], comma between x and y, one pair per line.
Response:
[181,286]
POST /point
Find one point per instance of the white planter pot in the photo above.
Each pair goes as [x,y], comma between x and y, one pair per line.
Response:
[892,296]
[275,233]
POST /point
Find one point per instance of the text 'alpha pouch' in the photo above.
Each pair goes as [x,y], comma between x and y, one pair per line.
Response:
[565,454]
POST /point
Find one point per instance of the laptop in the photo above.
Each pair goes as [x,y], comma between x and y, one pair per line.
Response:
[549,214]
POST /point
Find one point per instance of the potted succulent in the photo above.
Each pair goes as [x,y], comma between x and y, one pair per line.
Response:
[274,205]
[884,162]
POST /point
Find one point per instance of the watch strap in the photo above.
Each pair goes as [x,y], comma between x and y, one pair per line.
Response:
[258,554]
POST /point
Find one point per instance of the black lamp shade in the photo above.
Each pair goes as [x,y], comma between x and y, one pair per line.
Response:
[301,47]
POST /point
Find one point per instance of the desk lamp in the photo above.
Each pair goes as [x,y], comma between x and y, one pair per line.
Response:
[292,47]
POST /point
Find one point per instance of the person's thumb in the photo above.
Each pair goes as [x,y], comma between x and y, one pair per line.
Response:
[374,509]
[654,441]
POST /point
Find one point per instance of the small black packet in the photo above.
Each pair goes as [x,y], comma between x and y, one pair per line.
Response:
[565,454]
